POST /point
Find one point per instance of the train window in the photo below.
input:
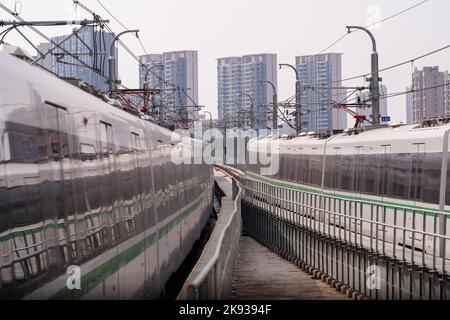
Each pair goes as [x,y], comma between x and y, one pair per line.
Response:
[447,200]
[305,170]
[431,178]
[346,173]
[337,158]
[281,173]
[134,141]
[318,168]
[400,164]
[289,164]
[88,152]
[328,172]
[369,173]
[92,192]
[358,170]
[384,169]
[106,139]
[22,145]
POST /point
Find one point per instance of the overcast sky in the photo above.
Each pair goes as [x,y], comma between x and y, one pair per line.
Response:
[286,27]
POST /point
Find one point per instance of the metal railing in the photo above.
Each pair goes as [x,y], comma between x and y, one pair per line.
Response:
[212,277]
[341,238]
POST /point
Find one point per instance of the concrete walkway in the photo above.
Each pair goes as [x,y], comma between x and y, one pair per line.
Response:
[263,275]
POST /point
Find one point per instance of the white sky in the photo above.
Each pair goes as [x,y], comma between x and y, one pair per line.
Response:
[286,27]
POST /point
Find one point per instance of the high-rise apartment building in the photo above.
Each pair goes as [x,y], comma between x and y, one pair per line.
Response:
[409,106]
[430,98]
[241,83]
[322,74]
[173,71]
[90,46]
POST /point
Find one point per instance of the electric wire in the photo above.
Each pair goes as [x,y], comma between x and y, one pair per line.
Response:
[341,38]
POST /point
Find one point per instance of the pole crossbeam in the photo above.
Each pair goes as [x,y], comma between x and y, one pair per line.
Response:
[16,23]
[375,80]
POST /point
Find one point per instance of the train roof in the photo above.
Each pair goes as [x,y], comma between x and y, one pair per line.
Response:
[401,139]
[28,85]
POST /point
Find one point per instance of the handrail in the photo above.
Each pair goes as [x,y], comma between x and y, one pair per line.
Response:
[235,173]
[207,269]
[208,280]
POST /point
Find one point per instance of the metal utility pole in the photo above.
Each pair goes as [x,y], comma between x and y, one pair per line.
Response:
[240,119]
[210,119]
[275,105]
[252,110]
[145,86]
[375,81]
[113,74]
[298,97]
[148,72]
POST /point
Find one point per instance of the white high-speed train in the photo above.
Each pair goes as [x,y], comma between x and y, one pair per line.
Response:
[405,168]
[83,183]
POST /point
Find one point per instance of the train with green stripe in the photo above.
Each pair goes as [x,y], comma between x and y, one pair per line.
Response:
[403,168]
[90,187]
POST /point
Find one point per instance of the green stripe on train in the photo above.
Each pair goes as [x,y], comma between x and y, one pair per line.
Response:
[391,205]
[31,232]
[95,277]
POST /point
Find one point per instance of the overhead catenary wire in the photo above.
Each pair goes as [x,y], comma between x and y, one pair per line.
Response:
[123,25]
[341,38]
[121,42]
[183,90]
[127,49]
[56,45]
[409,61]
[387,96]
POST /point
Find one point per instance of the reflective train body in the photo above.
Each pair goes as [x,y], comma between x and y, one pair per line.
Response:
[403,167]
[88,185]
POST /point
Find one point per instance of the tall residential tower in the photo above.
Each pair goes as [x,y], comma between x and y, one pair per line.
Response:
[239,78]
[323,74]
[432,102]
[173,71]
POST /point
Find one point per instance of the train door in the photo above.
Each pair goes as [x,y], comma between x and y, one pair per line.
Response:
[134,212]
[336,163]
[61,145]
[154,284]
[418,157]
[132,274]
[414,219]
[110,217]
[5,246]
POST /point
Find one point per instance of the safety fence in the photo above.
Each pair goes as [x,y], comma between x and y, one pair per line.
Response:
[363,248]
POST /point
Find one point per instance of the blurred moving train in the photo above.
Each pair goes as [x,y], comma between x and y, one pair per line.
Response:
[400,166]
[85,184]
